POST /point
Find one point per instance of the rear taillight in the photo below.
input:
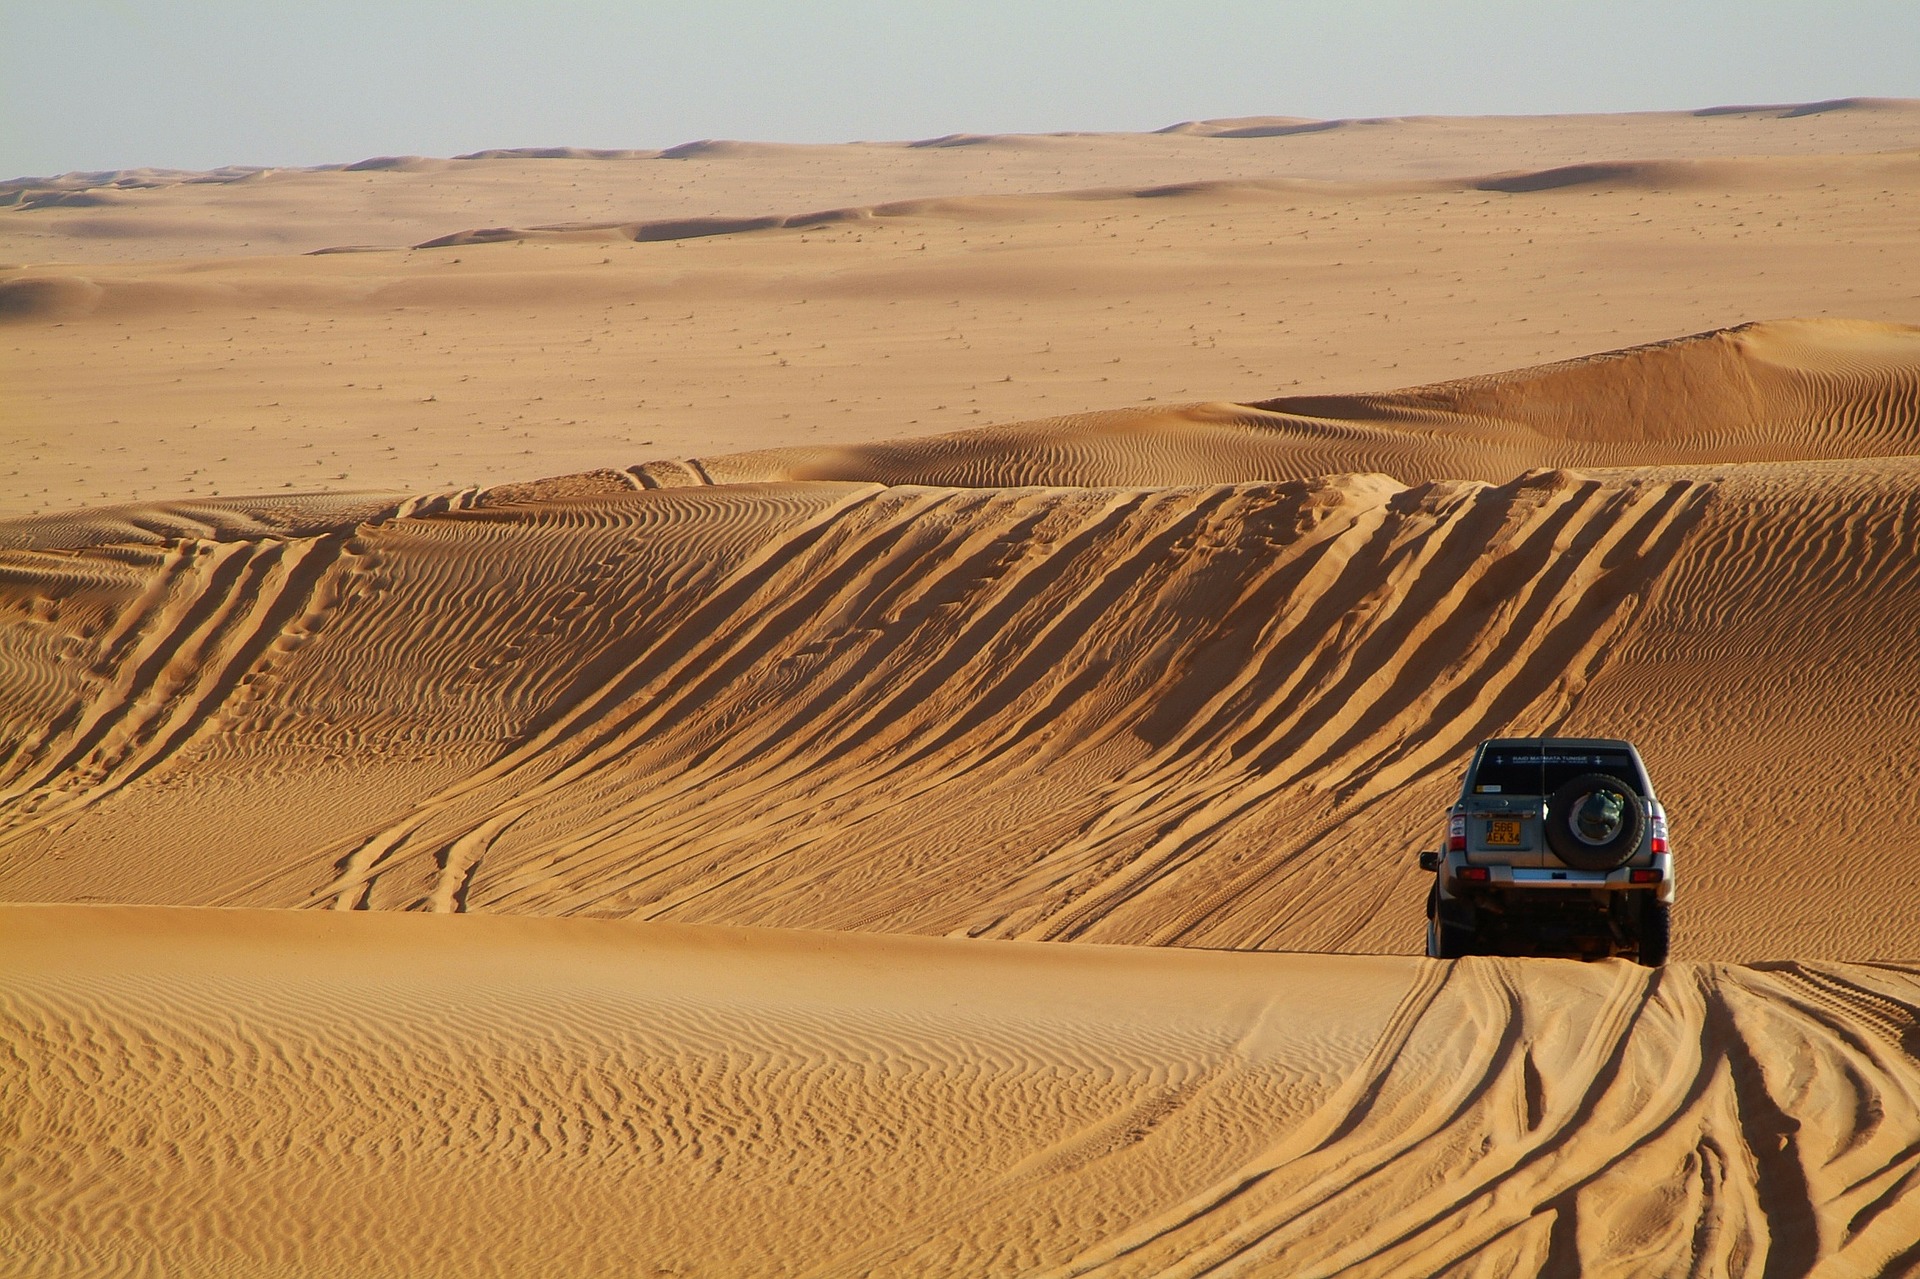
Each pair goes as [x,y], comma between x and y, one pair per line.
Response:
[1475,874]
[1457,834]
[1659,841]
[1651,876]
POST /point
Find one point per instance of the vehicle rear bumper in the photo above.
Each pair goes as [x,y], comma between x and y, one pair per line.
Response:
[1549,879]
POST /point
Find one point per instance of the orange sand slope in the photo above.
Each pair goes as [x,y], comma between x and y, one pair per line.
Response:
[1224,714]
[240,1093]
[1786,390]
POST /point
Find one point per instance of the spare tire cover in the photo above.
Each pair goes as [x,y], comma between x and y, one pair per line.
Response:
[1595,821]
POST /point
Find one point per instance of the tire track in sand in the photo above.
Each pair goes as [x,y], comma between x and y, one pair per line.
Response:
[573,1097]
[832,656]
[215,609]
[362,862]
[1695,1119]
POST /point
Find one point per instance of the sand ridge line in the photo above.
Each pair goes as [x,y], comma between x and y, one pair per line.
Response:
[159,525]
[1778,390]
[949,208]
[100,182]
[1754,173]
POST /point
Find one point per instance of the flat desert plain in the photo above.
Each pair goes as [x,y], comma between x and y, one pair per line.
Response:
[868,709]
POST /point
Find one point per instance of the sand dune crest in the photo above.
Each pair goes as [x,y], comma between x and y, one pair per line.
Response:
[1783,390]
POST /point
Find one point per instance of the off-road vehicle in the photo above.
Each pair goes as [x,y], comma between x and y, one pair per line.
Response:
[1557,846]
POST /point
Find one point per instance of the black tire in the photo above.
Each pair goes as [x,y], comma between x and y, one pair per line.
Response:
[1582,851]
[1457,941]
[1656,932]
[1450,931]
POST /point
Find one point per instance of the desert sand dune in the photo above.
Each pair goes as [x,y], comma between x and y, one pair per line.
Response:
[1763,392]
[373,1095]
[1045,705]
[395,200]
[947,547]
[1664,176]
[513,352]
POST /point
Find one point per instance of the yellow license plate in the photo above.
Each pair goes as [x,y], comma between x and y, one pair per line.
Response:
[1504,832]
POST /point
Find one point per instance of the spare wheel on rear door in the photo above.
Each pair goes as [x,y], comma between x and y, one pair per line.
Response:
[1595,821]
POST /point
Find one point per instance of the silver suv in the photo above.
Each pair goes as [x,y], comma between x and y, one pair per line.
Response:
[1557,846]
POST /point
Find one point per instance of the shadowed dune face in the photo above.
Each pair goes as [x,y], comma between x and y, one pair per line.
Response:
[1222,714]
[591,1098]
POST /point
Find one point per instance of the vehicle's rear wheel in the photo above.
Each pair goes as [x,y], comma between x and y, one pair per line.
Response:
[1656,932]
[1457,941]
[1595,821]
[1450,930]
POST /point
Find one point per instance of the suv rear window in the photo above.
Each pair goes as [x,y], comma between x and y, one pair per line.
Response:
[1541,770]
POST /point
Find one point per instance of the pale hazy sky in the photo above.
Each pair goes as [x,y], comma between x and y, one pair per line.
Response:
[101,84]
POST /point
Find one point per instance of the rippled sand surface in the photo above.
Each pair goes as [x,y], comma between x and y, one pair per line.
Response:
[429,867]
[248,1093]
